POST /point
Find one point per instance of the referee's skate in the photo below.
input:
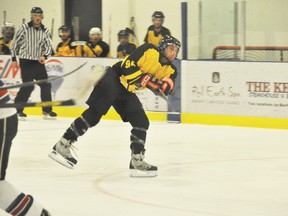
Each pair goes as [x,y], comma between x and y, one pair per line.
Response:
[61,153]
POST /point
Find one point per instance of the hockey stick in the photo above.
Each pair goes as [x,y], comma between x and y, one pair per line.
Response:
[94,77]
[41,81]
[82,43]
[163,96]
[130,31]
[52,27]
[78,43]
[4,17]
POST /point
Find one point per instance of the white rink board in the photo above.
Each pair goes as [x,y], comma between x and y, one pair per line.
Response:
[65,88]
[235,88]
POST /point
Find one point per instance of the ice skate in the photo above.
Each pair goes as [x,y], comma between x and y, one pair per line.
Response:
[49,115]
[140,168]
[45,213]
[61,153]
[21,116]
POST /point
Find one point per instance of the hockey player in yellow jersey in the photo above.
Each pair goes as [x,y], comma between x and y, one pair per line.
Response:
[156,31]
[65,48]
[125,47]
[8,31]
[147,67]
[95,47]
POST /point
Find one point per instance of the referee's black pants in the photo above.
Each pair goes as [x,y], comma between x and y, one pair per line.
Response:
[8,130]
[33,70]
[110,92]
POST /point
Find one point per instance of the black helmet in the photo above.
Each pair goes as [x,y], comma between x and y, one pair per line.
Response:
[168,40]
[158,14]
[37,10]
[64,28]
[123,33]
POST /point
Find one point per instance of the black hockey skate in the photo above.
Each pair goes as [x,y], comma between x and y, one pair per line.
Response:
[61,153]
[45,213]
[49,115]
[21,116]
[140,168]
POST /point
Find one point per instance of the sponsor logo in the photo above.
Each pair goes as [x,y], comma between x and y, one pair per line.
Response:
[267,89]
[215,77]
[55,68]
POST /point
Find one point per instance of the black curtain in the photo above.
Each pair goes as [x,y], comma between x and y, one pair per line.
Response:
[89,13]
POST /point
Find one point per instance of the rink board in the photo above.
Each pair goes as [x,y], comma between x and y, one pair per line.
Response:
[253,94]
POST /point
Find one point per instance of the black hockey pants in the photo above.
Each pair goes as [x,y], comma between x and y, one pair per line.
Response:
[8,130]
[110,92]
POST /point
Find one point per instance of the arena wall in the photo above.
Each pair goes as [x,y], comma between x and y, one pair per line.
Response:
[251,94]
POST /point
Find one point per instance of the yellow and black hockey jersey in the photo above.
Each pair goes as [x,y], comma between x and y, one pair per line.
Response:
[124,50]
[145,59]
[154,37]
[65,49]
[99,49]
[4,47]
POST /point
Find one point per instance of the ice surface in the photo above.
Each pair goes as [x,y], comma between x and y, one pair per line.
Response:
[203,170]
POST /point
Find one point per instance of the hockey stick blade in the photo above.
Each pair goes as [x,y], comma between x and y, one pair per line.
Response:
[42,81]
[96,74]
[94,77]
[162,95]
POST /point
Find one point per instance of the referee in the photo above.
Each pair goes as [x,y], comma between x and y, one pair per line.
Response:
[32,43]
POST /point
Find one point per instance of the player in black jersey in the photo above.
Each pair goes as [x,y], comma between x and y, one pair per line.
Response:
[147,67]
[125,47]
[95,47]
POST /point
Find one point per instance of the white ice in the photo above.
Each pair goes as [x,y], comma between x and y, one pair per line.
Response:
[203,170]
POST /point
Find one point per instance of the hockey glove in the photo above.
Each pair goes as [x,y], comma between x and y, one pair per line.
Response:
[149,81]
[167,85]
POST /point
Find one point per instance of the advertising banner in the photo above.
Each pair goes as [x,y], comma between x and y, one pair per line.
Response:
[235,88]
[67,87]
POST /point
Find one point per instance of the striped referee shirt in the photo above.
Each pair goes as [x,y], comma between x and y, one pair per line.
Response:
[31,42]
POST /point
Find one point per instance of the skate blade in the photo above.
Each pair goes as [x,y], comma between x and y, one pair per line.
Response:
[49,118]
[22,118]
[58,158]
[134,173]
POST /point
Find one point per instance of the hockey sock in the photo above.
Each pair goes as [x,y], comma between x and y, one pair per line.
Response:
[82,124]
[140,124]
[17,203]
[76,129]
[138,138]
